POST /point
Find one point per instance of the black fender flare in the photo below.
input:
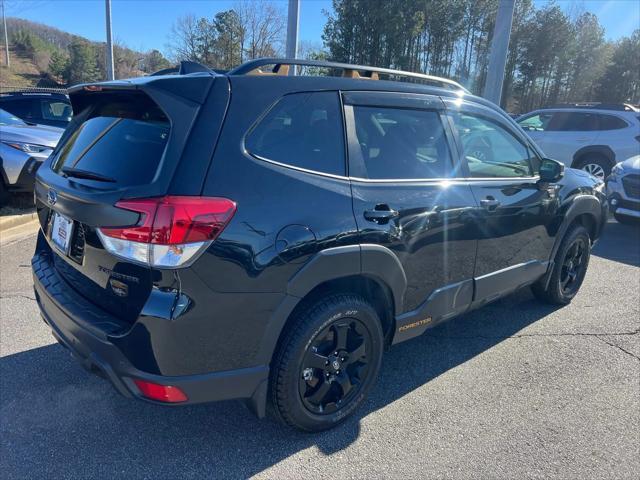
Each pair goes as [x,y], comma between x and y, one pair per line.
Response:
[580,205]
[603,150]
[334,263]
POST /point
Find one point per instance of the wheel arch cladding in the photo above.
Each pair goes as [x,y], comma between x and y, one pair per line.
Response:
[585,211]
[601,150]
[369,270]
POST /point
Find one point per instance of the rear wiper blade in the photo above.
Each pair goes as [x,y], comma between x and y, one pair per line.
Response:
[78,173]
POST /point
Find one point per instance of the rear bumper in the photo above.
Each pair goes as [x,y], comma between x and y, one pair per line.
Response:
[83,332]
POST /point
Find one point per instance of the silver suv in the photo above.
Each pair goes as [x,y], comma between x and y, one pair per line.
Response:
[23,148]
[623,190]
[593,137]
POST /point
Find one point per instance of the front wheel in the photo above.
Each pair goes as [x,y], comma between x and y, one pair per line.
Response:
[326,363]
[569,269]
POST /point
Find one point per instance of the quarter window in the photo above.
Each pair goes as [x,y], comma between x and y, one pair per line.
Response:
[401,143]
[302,130]
[609,122]
[490,150]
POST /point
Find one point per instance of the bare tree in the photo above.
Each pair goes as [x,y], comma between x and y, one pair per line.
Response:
[183,41]
[251,29]
[263,28]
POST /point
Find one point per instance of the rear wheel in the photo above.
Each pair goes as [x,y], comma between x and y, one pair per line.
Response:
[569,269]
[326,363]
[597,165]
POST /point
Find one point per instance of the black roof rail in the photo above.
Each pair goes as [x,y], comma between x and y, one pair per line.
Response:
[281,67]
[184,68]
[8,91]
[620,107]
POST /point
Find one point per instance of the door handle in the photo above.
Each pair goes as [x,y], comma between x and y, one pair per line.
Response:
[381,214]
[490,203]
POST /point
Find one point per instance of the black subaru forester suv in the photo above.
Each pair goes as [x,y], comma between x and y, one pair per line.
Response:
[264,236]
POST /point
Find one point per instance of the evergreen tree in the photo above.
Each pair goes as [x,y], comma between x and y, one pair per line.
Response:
[83,66]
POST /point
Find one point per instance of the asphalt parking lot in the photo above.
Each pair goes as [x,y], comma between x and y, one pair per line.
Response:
[516,390]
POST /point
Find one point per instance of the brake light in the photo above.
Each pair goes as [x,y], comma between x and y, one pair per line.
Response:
[161,393]
[170,231]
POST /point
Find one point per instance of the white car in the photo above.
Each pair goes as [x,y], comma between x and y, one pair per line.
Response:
[591,137]
[623,190]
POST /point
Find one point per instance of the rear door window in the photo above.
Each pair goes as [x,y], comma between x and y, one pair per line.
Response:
[302,130]
[398,143]
[124,143]
[573,122]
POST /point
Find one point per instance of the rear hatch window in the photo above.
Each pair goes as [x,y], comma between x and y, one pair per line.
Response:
[120,143]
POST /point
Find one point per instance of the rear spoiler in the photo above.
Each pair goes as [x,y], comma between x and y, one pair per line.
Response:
[183,68]
[191,87]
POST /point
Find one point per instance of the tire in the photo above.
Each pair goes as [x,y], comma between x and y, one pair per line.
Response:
[568,271]
[310,388]
[626,220]
[597,165]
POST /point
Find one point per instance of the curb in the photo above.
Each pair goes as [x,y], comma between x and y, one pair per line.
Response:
[16,220]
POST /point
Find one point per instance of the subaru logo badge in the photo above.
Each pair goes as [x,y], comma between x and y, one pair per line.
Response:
[52,197]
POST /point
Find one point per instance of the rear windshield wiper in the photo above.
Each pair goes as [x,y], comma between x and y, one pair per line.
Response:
[78,173]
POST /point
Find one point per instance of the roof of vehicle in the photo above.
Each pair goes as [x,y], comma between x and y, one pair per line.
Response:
[341,76]
[628,115]
[618,107]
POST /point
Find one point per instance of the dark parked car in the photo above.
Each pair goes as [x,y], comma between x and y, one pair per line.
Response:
[264,237]
[42,108]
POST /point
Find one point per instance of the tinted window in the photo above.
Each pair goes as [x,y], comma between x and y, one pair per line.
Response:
[25,108]
[119,141]
[536,123]
[302,130]
[401,144]
[609,122]
[7,119]
[56,110]
[573,122]
[490,150]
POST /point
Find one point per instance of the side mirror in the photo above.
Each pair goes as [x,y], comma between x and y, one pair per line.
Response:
[551,171]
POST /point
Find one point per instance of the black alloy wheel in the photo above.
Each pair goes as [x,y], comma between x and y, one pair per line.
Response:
[327,361]
[334,366]
[569,269]
[573,266]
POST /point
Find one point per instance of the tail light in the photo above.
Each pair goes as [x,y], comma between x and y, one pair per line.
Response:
[171,231]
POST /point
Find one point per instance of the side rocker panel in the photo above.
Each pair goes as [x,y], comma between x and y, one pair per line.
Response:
[443,304]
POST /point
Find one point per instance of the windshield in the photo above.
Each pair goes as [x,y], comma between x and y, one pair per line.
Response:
[7,119]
